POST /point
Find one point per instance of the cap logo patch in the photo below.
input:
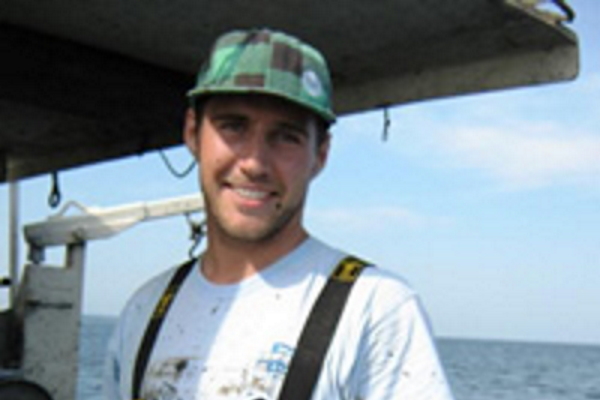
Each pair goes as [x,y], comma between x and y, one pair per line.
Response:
[311,83]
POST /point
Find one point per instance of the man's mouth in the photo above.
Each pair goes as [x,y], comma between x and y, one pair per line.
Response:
[252,194]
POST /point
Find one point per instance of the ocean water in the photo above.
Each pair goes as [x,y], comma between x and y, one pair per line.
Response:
[476,369]
[493,370]
[95,333]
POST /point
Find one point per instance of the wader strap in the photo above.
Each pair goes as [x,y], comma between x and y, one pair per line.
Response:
[318,331]
[313,343]
[153,327]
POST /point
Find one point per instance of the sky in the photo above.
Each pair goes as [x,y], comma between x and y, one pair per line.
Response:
[487,204]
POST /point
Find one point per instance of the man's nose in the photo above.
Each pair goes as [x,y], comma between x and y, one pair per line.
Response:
[255,158]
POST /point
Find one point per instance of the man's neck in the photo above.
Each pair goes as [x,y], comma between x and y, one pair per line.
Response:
[229,261]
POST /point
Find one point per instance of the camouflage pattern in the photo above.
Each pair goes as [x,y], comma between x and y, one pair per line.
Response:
[268,62]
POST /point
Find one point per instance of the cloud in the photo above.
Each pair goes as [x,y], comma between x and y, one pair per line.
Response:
[527,154]
[375,219]
[590,84]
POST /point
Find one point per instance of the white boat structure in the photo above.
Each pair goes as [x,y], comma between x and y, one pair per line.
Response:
[82,82]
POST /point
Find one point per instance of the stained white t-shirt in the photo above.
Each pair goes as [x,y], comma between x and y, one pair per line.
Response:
[235,342]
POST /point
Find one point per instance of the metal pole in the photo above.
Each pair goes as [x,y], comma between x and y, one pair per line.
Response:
[13,261]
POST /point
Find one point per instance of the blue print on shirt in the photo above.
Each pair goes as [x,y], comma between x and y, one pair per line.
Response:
[278,360]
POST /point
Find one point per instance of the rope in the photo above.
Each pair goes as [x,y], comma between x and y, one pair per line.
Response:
[562,4]
[172,170]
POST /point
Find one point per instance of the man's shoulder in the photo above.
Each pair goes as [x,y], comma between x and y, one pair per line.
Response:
[377,282]
[384,285]
[146,296]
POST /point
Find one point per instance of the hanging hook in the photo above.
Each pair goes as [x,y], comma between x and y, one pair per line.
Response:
[55,196]
[197,233]
[386,123]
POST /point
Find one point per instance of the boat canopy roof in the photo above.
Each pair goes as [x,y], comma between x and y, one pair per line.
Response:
[83,82]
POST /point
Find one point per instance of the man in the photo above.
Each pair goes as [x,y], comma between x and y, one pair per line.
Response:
[233,327]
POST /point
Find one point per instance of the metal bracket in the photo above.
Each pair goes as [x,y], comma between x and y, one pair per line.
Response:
[97,223]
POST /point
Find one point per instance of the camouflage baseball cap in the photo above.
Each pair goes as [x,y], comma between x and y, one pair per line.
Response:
[267,62]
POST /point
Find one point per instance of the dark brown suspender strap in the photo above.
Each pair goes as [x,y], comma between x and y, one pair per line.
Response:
[153,327]
[318,331]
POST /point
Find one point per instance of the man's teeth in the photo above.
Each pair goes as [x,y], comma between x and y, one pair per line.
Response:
[252,194]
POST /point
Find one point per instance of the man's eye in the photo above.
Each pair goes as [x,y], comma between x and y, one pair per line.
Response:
[231,126]
[289,137]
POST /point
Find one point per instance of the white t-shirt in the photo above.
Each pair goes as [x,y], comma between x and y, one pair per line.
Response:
[235,342]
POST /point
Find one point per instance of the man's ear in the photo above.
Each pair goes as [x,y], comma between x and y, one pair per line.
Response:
[190,132]
[322,155]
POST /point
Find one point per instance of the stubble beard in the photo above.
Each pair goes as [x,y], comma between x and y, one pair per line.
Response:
[253,235]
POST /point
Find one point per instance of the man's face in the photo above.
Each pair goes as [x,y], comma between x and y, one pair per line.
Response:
[257,156]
